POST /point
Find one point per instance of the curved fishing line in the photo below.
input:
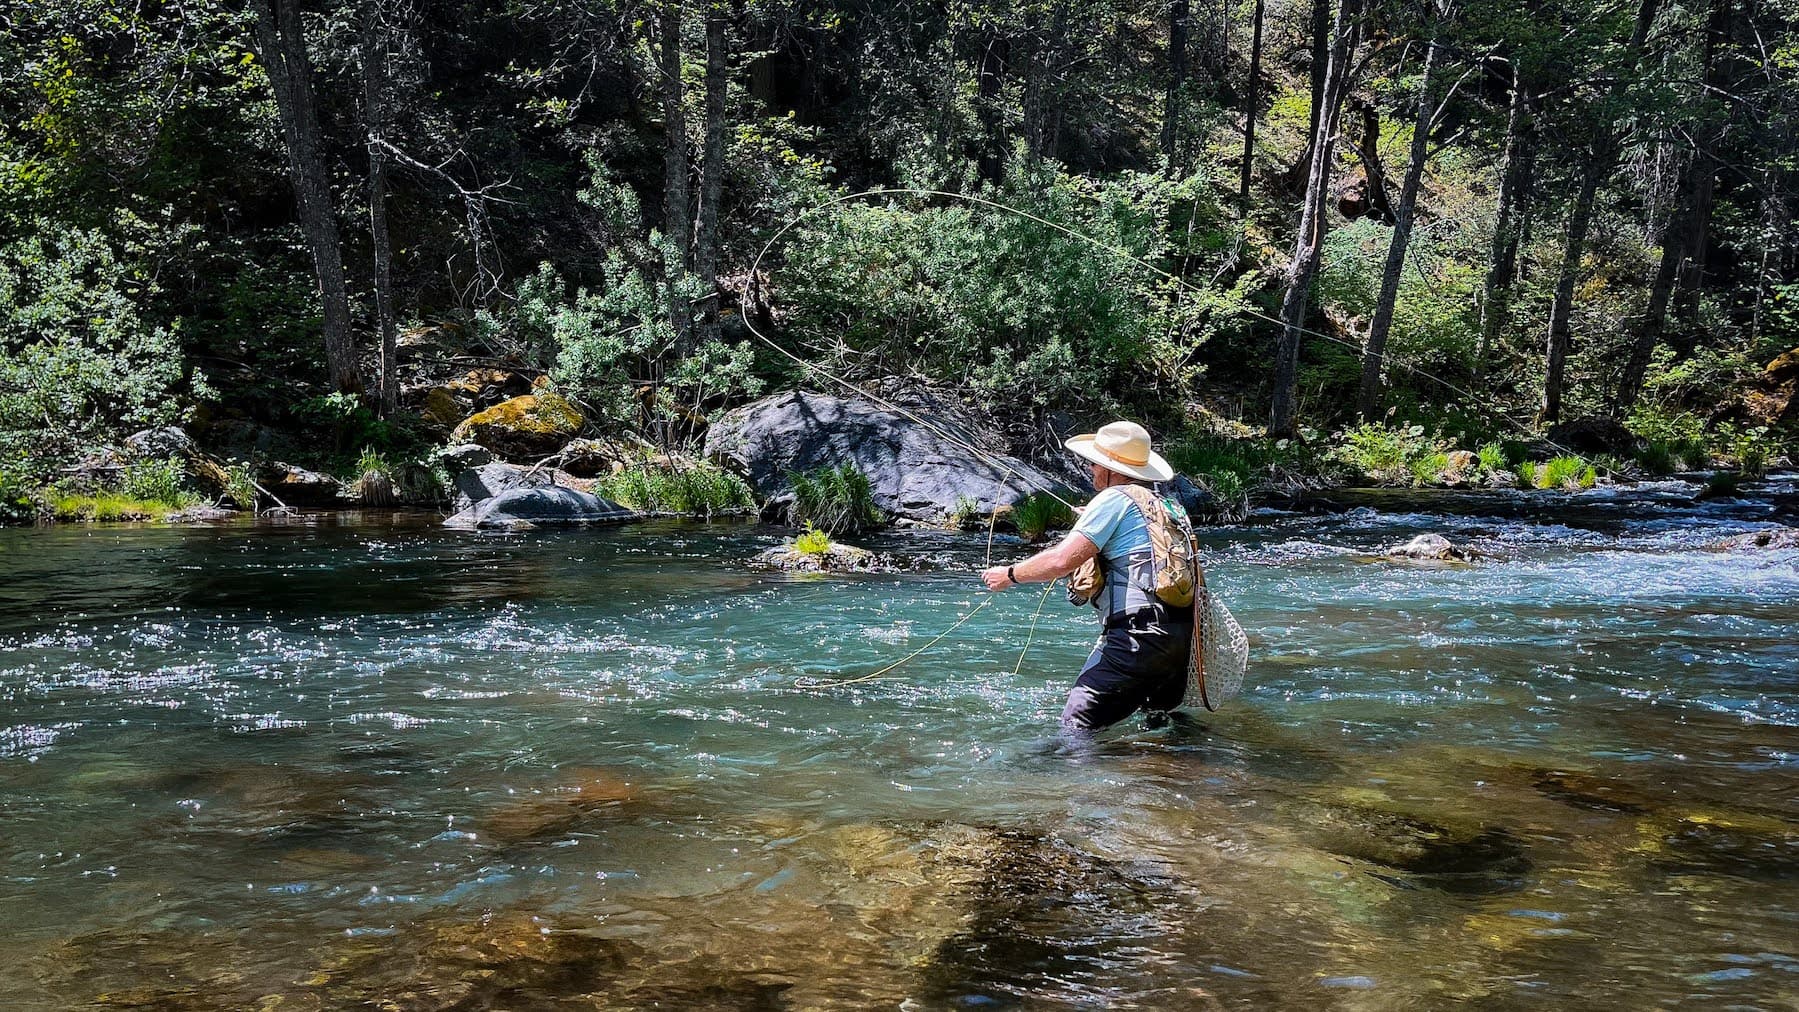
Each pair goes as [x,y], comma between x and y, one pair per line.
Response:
[1117,251]
[1032,633]
[814,683]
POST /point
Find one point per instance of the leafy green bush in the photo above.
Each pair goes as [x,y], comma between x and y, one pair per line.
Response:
[1383,453]
[1039,513]
[157,481]
[837,500]
[1018,307]
[1225,465]
[1492,457]
[78,362]
[812,541]
[240,487]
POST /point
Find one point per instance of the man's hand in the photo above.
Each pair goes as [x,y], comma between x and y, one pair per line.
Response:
[995,578]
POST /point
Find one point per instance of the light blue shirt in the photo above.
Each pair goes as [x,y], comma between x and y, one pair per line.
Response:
[1114,525]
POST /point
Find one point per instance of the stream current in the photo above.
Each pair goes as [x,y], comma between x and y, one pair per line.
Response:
[364,762]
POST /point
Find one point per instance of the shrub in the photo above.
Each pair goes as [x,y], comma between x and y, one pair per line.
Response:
[156,481]
[1656,457]
[1384,453]
[240,487]
[1693,453]
[1039,513]
[812,541]
[78,361]
[373,479]
[837,500]
[701,489]
[1229,467]
[1492,457]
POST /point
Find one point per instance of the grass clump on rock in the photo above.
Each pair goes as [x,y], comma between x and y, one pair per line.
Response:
[836,500]
[1039,513]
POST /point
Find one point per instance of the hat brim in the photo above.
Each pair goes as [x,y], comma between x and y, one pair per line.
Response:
[1156,469]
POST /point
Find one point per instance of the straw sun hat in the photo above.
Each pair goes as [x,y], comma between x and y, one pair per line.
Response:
[1122,447]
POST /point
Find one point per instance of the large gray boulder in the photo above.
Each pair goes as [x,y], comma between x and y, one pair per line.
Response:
[478,484]
[915,473]
[535,507]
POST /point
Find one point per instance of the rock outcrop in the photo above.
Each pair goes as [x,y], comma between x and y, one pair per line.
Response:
[524,428]
[915,473]
[293,485]
[1593,434]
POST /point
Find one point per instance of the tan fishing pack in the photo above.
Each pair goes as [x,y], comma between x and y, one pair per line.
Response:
[1170,540]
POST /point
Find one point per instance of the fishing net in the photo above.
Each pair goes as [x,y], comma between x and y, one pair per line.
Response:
[1221,654]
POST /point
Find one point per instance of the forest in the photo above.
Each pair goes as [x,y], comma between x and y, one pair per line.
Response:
[1279,233]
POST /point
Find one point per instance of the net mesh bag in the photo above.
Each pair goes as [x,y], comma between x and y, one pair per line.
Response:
[1220,655]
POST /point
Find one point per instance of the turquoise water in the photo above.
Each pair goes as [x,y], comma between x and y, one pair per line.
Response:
[358,762]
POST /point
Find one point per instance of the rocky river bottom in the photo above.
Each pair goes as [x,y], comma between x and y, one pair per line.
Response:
[348,762]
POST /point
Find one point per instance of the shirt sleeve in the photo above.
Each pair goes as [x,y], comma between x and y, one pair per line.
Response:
[1100,520]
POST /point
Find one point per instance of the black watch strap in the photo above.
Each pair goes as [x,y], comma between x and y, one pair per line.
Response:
[1011,576]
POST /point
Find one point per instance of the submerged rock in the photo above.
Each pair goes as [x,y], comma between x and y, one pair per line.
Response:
[1594,793]
[522,508]
[1467,859]
[1434,547]
[915,473]
[482,482]
[1744,844]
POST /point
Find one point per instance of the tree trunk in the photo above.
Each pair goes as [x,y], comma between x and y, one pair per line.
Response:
[676,223]
[1374,173]
[282,40]
[1601,156]
[1508,226]
[1177,83]
[1250,110]
[1560,332]
[1402,236]
[1310,240]
[374,98]
[1630,384]
[991,162]
[1691,277]
[712,172]
[1321,48]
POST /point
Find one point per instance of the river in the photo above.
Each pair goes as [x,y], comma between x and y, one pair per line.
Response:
[364,762]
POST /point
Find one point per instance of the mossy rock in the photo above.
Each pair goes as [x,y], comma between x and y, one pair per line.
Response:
[524,428]
[838,558]
[1743,844]
[1456,857]
[441,409]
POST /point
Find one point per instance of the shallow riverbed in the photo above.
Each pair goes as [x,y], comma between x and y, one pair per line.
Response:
[346,761]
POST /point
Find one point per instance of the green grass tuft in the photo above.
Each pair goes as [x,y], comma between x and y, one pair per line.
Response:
[702,490]
[837,500]
[1563,472]
[1039,513]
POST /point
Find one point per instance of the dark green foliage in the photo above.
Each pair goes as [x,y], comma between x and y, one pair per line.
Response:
[836,500]
[1039,513]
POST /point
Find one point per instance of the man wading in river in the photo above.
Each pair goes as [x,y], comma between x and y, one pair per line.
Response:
[1143,544]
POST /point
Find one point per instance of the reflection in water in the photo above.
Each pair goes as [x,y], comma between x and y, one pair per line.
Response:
[375,764]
